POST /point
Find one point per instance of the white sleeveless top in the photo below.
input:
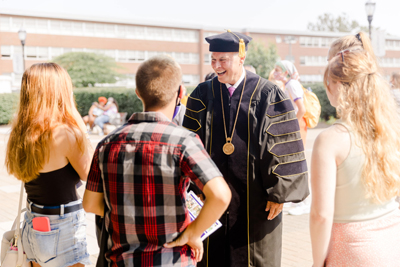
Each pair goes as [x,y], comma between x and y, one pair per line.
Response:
[351,203]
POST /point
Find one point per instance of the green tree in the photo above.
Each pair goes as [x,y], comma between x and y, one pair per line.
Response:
[262,58]
[328,22]
[89,68]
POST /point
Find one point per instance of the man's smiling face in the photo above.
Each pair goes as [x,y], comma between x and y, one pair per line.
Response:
[227,65]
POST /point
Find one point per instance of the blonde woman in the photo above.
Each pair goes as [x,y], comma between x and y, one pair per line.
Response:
[355,220]
[48,151]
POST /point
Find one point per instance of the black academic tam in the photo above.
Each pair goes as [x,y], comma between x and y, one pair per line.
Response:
[227,41]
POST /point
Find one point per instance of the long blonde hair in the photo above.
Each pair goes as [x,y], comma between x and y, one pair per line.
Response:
[45,103]
[366,105]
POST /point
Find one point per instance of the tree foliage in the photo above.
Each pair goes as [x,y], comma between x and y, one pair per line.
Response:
[262,58]
[86,69]
[328,22]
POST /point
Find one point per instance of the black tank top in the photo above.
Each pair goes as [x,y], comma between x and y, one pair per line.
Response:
[54,188]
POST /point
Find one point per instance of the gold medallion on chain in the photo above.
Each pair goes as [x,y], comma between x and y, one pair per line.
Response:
[228,148]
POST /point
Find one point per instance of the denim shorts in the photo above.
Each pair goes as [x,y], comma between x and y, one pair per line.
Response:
[64,245]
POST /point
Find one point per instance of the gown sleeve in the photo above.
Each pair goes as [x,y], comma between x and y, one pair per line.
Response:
[282,159]
[196,112]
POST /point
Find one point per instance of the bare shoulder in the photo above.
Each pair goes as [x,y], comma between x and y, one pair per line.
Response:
[64,136]
[334,140]
[336,132]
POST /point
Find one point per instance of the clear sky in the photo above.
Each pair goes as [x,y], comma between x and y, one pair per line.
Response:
[264,14]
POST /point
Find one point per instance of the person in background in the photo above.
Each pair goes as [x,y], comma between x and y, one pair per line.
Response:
[110,111]
[49,151]
[286,72]
[180,109]
[395,85]
[94,112]
[271,78]
[143,178]
[250,68]
[355,220]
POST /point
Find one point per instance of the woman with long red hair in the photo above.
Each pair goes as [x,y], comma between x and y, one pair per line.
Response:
[49,151]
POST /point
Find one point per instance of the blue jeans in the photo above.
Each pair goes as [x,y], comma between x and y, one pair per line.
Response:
[101,120]
[64,245]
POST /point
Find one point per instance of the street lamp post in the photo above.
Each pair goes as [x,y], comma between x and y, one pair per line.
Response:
[22,37]
[289,40]
[369,9]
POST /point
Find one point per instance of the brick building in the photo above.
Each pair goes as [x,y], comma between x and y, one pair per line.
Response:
[130,42]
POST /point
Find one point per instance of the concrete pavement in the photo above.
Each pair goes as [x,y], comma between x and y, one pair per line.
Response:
[296,238]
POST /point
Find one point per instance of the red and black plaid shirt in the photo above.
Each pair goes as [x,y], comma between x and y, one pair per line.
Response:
[143,169]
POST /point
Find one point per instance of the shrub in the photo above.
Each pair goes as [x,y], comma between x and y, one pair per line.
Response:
[84,97]
[327,111]
[89,68]
[125,97]
[262,57]
[8,106]
[190,89]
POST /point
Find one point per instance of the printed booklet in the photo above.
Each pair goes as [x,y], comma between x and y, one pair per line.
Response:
[194,205]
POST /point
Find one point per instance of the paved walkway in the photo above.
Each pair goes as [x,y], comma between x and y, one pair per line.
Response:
[296,238]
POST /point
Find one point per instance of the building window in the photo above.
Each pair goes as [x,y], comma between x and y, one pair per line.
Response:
[316,41]
[55,52]
[110,30]
[5,51]
[313,61]
[141,56]
[16,24]
[190,79]
[303,41]
[67,27]
[207,58]
[43,52]
[278,39]
[390,62]
[42,26]
[311,78]
[89,29]
[55,26]
[5,23]
[30,52]
[393,44]
[77,28]
[99,30]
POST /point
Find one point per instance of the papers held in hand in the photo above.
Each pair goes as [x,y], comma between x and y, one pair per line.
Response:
[194,205]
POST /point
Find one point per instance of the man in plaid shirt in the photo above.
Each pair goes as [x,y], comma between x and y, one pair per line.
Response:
[141,172]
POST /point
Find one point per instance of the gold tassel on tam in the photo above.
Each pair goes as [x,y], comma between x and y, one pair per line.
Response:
[242,46]
[242,49]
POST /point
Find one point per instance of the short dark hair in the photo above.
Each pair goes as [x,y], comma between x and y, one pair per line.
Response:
[157,80]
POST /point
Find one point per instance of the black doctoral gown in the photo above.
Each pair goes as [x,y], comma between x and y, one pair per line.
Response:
[268,164]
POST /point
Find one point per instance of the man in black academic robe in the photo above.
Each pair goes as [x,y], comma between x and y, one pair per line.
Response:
[267,167]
